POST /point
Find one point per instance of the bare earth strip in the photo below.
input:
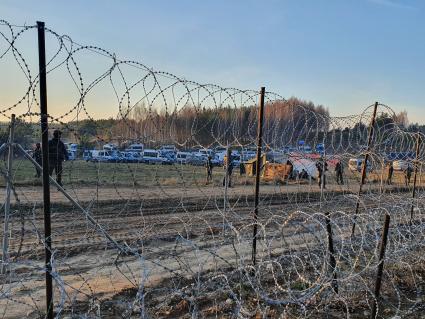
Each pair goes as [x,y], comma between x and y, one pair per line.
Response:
[86,263]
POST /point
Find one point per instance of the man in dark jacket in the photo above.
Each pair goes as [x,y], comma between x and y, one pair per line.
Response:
[322,167]
[57,154]
[209,168]
[408,174]
[390,173]
[339,168]
[228,166]
[37,156]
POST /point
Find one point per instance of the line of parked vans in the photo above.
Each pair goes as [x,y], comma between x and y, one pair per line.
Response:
[169,154]
[165,155]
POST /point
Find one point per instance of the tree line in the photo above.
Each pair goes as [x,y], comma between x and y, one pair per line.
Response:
[285,121]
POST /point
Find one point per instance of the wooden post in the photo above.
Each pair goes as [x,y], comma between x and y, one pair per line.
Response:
[364,166]
[332,261]
[418,142]
[378,281]
[226,184]
[258,172]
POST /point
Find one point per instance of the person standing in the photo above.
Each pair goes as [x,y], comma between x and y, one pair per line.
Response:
[339,168]
[57,154]
[319,173]
[242,170]
[408,175]
[321,168]
[37,157]
[229,170]
[390,173]
[290,169]
[209,168]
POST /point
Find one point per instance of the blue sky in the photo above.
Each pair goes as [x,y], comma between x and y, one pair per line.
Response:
[344,54]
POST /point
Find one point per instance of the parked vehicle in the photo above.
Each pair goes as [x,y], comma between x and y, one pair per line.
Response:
[219,158]
[125,157]
[206,152]
[110,147]
[168,159]
[151,156]
[320,148]
[71,146]
[87,155]
[306,149]
[247,155]
[136,157]
[72,150]
[72,155]
[289,149]
[183,157]
[220,149]
[135,148]
[197,159]
[168,149]
[102,156]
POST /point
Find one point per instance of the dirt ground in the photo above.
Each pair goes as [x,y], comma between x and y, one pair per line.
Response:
[178,233]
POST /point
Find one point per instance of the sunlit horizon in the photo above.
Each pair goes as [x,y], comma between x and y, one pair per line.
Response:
[343,70]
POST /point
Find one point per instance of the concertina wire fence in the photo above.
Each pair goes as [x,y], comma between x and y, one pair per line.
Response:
[182,247]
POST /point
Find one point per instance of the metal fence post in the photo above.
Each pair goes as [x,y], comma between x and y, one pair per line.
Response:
[332,261]
[9,173]
[418,142]
[258,172]
[364,166]
[226,184]
[378,281]
[45,161]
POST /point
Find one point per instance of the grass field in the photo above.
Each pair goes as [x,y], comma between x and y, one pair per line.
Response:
[120,174]
[183,232]
[143,175]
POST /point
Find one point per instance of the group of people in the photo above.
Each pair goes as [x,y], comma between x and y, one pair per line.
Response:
[228,166]
[57,154]
[322,167]
[407,173]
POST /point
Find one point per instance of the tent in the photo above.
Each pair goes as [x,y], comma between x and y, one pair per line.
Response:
[304,163]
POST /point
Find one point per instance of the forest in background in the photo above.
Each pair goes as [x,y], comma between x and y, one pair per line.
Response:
[284,122]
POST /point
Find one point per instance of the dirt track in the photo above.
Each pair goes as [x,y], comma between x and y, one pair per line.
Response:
[89,194]
[166,228]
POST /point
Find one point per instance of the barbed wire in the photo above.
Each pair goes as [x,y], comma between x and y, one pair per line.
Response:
[167,241]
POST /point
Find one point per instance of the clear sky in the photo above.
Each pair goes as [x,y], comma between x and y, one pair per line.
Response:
[344,54]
